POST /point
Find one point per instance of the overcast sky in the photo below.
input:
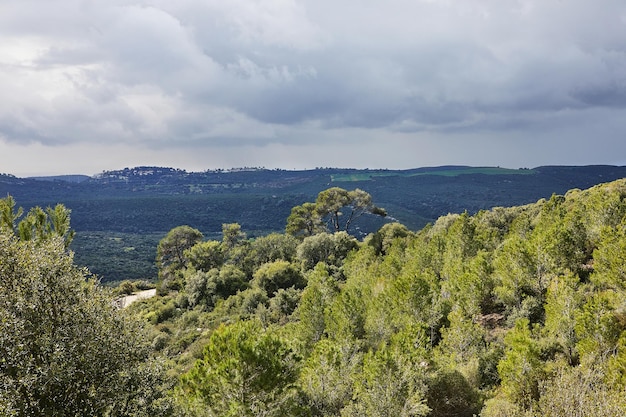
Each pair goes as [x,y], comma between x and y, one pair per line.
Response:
[87,86]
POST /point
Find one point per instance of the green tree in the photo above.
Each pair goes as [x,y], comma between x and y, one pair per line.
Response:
[171,254]
[516,286]
[393,378]
[34,225]
[382,240]
[562,305]
[232,235]
[205,256]
[609,269]
[579,391]
[346,315]
[416,295]
[65,348]
[59,218]
[597,329]
[328,375]
[312,309]
[278,274]
[8,214]
[451,394]
[38,224]
[324,247]
[330,202]
[304,221]
[381,321]
[492,225]
[245,371]
[283,304]
[521,368]
[462,345]
[616,365]
[171,249]
[272,247]
[207,287]
[330,208]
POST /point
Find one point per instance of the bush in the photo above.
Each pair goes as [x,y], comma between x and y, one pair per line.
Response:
[275,275]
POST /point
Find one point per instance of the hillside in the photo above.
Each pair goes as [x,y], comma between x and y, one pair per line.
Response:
[515,311]
[124,213]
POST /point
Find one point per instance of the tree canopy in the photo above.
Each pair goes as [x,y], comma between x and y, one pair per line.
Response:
[334,210]
[65,348]
[511,311]
[514,312]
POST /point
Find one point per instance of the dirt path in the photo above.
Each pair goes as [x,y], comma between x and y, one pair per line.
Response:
[129,299]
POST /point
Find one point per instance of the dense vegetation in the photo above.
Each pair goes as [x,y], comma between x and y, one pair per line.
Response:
[135,207]
[511,312]
[65,349]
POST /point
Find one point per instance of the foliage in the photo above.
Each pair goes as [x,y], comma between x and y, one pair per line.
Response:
[171,254]
[579,392]
[245,371]
[9,214]
[521,367]
[171,249]
[382,240]
[304,220]
[276,275]
[205,256]
[115,256]
[151,200]
[310,218]
[328,375]
[65,348]
[324,247]
[496,314]
[272,247]
[393,378]
[507,312]
[312,310]
[38,224]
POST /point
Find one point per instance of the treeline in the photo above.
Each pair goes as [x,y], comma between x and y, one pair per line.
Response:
[510,312]
[146,201]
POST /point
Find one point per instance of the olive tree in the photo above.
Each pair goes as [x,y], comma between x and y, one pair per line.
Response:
[65,348]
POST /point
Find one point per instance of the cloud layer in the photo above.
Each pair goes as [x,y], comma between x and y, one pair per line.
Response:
[401,83]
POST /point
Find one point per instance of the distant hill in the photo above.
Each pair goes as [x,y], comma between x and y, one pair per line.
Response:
[155,199]
[66,178]
[143,203]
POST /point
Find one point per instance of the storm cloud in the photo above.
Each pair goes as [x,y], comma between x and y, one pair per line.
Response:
[197,84]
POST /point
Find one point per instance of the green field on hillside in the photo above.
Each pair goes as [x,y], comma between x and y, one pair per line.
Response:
[366,176]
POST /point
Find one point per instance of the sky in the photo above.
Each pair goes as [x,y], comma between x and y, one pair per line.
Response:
[88,85]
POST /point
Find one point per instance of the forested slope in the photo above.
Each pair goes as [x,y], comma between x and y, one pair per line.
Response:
[515,311]
[119,216]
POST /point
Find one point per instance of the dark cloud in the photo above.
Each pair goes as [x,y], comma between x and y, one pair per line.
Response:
[603,96]
[281,74]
